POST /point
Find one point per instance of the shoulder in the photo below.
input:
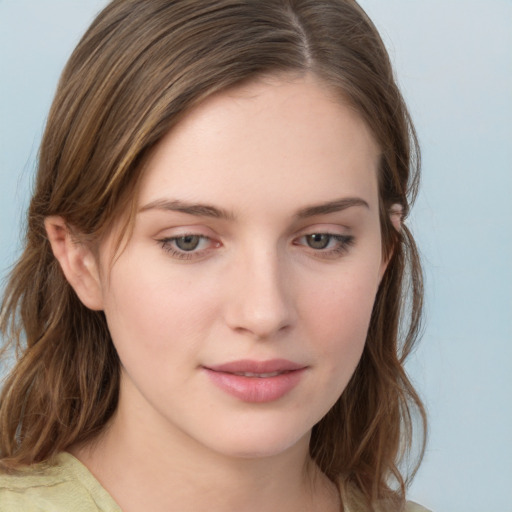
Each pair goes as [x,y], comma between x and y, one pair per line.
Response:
[60,487]
[354,501]
[410,506]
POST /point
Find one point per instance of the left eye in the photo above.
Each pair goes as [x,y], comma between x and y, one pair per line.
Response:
[326,242]
[318,240]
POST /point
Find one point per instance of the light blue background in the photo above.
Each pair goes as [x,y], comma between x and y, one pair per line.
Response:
[454,62]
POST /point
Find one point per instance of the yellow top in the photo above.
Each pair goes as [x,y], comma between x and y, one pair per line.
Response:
[66,486]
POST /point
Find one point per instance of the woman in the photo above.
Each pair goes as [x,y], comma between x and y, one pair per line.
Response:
[208,310]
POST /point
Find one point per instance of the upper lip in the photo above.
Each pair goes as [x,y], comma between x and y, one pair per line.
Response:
[258,367]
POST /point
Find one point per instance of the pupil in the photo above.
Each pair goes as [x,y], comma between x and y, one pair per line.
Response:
[188,243]
[318,241]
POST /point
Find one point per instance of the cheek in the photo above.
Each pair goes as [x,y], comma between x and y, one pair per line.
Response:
[336,317]
[339,314]
[151,311]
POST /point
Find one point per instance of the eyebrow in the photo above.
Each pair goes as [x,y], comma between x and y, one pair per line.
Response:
[197,209]
[332,207]
[206,210]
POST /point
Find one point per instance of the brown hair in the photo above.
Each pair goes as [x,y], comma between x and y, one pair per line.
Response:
[139,68]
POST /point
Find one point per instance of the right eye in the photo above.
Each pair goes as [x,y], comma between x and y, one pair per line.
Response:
[187,246]
[188,243]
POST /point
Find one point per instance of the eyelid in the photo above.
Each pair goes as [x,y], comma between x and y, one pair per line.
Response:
[334,236]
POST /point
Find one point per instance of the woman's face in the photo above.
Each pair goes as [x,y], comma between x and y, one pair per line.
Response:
[240,305]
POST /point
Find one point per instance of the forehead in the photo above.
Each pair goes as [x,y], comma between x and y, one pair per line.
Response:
[261,141]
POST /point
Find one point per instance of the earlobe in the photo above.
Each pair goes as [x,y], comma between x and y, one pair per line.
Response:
[77,261]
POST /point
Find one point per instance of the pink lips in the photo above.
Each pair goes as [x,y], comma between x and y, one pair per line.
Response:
[256,381]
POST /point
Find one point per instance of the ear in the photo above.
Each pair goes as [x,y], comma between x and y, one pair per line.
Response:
[396,213]
[77,261]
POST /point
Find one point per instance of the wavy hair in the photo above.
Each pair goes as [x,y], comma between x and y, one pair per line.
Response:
[140,67]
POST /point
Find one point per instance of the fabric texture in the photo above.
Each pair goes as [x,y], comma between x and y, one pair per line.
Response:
[68,486]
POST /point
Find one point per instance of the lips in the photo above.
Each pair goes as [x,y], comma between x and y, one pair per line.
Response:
[257,367]
[258,375]
[256,381]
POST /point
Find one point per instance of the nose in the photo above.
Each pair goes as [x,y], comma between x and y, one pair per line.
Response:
[260,302]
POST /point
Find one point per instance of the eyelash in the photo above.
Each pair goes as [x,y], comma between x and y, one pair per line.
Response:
[344,242]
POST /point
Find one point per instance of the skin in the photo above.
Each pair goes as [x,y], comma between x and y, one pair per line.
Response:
[256,287]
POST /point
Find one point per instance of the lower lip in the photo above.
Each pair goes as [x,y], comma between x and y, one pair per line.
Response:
[256,389]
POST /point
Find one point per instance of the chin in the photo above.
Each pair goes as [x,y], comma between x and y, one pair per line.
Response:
[260,443]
